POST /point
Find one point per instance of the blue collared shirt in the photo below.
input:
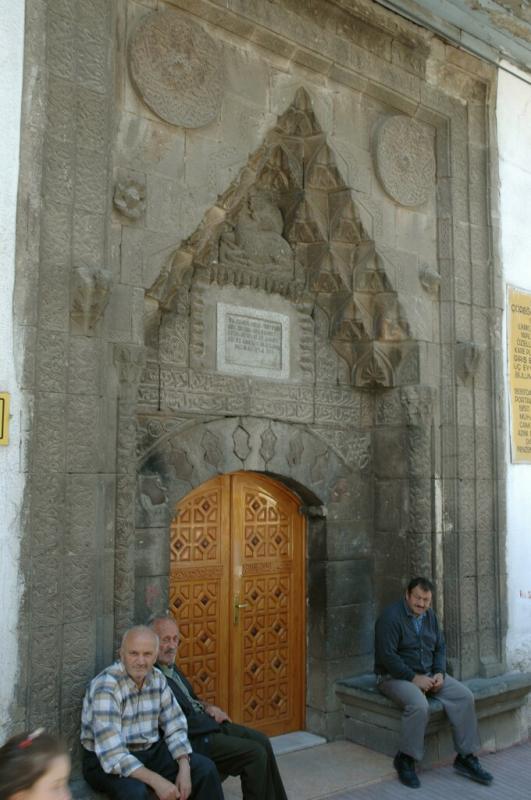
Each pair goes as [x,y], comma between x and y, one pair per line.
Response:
[401,650]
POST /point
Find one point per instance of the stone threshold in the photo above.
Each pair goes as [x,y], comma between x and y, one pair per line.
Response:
[297,740]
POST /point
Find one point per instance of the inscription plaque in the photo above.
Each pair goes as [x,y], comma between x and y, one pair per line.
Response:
[253,342]
[519,357]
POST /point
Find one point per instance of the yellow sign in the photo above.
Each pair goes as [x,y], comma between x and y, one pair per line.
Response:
[4,417]
[519,318]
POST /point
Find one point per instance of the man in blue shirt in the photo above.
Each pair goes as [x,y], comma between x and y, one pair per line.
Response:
[410,663]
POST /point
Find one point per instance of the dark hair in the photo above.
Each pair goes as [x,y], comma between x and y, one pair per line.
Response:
[423,583]
[25,758]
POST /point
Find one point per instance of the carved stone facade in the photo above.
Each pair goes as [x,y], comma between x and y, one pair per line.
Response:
[328,210]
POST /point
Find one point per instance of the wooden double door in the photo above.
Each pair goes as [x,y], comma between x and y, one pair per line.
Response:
[237,591]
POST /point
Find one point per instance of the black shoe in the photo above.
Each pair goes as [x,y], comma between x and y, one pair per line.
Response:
[405,766]
[470,767]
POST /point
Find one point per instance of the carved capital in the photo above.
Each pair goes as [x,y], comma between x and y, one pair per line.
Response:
[418,402]
[468,356]
[90,295]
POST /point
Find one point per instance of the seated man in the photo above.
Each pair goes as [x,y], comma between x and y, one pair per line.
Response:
[126,709]
[234,749]
[410,663]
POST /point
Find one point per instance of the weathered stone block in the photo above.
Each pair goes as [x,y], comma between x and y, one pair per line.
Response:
[88,237]
[151,596]
[390,554]
[390,449]
[80,587]
[61,109]
[90,508]
[78,660]
[349,582]
[49,433]
[348,539]
[390,504]
[52,362]
[152,553]
[61,55]
[91,120]
[84,435]
[349,630]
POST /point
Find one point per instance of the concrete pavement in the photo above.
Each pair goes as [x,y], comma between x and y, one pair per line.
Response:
[345,771]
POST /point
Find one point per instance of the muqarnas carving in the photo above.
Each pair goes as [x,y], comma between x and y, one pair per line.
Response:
[405,160]
[288,226]
[177,69]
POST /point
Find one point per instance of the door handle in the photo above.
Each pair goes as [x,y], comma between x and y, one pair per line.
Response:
[237,606]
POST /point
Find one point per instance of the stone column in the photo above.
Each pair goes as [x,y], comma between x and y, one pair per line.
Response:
[129,361]
[417,402]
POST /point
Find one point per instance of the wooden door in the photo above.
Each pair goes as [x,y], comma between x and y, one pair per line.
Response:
[237,590]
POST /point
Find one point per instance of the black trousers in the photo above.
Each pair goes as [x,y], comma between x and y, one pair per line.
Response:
[205,779]
[237,750]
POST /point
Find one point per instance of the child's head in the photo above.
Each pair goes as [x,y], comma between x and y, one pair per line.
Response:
[34,766]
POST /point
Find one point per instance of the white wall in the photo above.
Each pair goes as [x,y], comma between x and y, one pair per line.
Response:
[514,142]
[11,476]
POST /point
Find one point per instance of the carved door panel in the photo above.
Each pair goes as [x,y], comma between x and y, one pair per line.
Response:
[268,663]
[237,590]
[199,587]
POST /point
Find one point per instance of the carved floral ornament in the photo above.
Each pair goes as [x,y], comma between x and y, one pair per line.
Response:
[289,226]
[130,198]
[405,160]
[177,69]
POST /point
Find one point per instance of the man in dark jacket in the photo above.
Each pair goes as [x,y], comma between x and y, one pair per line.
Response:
[410,664]
[234,749]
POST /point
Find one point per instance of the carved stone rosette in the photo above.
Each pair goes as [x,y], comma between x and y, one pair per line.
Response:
[177,69]
[405,160]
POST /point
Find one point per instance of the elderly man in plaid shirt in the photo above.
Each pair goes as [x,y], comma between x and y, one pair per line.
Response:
[127,709]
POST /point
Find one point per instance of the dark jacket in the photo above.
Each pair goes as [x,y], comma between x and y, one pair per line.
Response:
[199,722]
[399,651]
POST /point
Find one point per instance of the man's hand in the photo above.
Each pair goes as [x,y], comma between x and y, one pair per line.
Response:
[165,790]
[183,781]
[219,715]
[424,682]
[438,680]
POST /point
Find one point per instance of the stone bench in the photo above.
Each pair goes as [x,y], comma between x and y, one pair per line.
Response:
[373,720]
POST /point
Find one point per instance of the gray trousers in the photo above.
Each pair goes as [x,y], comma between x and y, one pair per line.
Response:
[458,703]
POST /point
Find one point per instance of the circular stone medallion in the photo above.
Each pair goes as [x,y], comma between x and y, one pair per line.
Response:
[405,161]
[177,69]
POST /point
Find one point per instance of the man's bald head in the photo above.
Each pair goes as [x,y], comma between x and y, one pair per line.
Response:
[138,652]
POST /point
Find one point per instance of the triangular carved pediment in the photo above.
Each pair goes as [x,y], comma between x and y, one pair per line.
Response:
[289,225]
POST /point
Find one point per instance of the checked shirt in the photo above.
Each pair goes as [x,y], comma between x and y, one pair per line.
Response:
[119,718]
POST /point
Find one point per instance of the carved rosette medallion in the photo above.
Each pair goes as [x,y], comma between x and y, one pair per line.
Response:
[177,69]
[405,160]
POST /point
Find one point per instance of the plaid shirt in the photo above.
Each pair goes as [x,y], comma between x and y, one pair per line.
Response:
[118,718]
